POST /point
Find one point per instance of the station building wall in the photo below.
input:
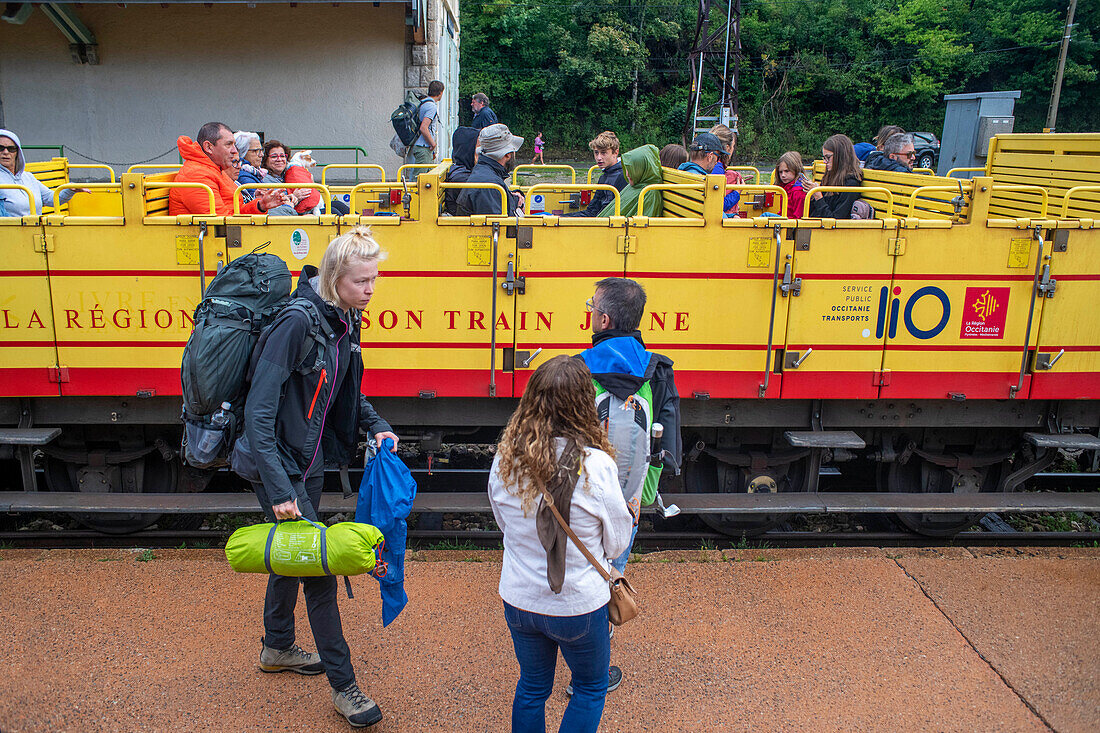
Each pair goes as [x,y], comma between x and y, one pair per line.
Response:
[307,75]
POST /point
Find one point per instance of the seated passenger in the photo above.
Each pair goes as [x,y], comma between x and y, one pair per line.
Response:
[210,159]
[605,151]
[884,133]
[13,163]
[673,155]
[251,153]
[496,155]
[275,161]
[641,167]
[703,154]
[728,138]
[897,154]
[790,175]
[463,157]
[841,169]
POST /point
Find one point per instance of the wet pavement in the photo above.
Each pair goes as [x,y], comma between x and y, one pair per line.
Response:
[762,640]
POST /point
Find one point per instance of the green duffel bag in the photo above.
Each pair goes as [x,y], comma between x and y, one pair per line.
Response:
[304,548]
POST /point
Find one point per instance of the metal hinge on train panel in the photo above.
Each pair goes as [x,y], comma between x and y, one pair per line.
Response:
[895,246]
[524,236]
[43,243]
[626,244]
[881,378]
[59,375]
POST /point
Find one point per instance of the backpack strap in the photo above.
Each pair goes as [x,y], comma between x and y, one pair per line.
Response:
[319,333]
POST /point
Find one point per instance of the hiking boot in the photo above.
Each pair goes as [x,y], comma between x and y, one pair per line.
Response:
[614,679]
[294,659]
[359,709]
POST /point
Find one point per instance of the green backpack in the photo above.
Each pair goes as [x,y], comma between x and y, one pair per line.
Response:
[629,424]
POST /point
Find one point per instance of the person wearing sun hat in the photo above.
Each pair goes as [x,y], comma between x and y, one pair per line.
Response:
[496,149]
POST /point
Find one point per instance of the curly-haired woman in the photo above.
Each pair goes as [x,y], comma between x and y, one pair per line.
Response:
[553,597]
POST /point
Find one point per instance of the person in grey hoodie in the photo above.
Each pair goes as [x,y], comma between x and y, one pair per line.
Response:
[13,170]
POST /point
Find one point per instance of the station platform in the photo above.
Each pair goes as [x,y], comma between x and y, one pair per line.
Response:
[834,639]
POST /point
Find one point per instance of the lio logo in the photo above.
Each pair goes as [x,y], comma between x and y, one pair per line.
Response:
[890,310]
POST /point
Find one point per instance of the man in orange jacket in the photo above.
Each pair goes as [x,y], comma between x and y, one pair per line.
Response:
[210,159]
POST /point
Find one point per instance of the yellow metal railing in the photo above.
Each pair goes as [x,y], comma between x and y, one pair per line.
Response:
[1069,195]
[356,166]
[841,189]
[99,166]
[766,189]
[666,187]
[951,173]
[410,166]
[579,187]
[30,196]
[184,184]
[155,166]
[592,170]
[739,168]
[261,186]
[491,186]
[83,187]
[917,191]
[529,166]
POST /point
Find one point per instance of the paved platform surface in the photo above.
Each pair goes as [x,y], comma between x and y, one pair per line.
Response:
[760,640]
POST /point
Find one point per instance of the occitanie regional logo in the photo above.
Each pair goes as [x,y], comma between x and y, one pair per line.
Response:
[985,305]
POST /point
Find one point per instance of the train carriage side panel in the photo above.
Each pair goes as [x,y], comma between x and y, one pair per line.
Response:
[28,357]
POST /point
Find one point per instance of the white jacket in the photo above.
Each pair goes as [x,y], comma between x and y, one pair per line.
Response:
[14,201]
[599,517]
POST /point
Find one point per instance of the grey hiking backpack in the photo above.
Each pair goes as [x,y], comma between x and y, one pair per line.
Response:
[241,300]
[628,425]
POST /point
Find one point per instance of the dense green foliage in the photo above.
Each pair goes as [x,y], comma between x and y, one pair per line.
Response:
[809,68]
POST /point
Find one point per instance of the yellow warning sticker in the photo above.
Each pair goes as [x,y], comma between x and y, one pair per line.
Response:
[1019,252]
[760,251]
[479,250]
[187,249]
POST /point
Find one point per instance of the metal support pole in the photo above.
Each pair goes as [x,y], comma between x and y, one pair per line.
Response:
[1056,93]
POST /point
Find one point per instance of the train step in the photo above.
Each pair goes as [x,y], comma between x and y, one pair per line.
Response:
[28,436]
[478,502]
[824,439]
[1068,441]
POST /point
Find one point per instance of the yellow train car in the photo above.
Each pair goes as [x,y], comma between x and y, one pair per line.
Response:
[948,343]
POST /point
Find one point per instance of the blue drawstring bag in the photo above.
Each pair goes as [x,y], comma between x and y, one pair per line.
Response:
[385,500]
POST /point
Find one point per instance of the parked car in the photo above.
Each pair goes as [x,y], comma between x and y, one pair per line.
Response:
[927,148]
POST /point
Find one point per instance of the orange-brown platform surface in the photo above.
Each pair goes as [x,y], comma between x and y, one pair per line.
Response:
[842,639]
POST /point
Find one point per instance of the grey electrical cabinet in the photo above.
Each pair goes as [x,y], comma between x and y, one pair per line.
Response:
[970,123]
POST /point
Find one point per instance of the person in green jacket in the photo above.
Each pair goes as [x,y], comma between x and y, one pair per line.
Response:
[642,167]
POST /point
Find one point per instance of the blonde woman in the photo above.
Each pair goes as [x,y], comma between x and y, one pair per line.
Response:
[553,597]
[305,409]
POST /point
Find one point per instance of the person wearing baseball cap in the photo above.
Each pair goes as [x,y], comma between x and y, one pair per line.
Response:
[496,149]
[703,154]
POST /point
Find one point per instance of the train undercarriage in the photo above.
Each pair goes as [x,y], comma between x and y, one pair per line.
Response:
[111,445]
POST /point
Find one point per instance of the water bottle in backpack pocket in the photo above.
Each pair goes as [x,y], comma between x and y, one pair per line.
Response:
[205,442]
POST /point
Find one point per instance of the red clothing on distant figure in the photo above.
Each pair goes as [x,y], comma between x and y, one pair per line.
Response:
[796,198]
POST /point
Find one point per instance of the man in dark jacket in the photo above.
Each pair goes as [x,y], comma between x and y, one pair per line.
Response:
[463,144]
[605,151]
[483,113]
[496,149]
[897,154]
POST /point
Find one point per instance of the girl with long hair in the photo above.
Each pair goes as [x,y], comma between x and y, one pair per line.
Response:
[553,597]
[841,169]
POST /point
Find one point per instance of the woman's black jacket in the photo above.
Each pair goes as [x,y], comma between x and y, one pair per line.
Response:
[305,406]
[836,205]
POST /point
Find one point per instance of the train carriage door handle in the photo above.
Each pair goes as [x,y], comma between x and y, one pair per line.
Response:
[513,284]
[790,285]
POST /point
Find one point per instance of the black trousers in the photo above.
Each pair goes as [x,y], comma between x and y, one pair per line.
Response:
[320,593]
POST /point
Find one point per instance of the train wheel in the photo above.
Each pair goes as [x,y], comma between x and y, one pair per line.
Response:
[920,476]
[153,471]
[708,474]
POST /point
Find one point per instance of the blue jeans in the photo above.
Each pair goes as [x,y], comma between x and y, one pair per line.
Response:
[587,650]
[320,593]
[619,563]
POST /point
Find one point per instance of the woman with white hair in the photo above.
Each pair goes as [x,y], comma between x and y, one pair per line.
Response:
[252,152]
[305,409]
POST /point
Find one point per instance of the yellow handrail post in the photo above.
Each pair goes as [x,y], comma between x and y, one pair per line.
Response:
[951,173]
[99,166]
[33,207]
[591,171]
[410,166]
[1069,195]
[579,187]
[518,168]
[155,167]
[356,166]
[919,190]
[1026,189]
[766,188]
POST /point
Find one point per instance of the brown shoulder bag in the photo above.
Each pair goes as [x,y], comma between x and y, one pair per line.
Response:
[623,605]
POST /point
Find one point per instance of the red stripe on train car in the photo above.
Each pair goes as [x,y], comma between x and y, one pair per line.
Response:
[443,382]
[713,384]
[27,382]
[830,385]
[1066,386]
[129,273]
[941,385]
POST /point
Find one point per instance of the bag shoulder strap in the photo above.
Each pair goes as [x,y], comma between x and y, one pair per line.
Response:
[569,531]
